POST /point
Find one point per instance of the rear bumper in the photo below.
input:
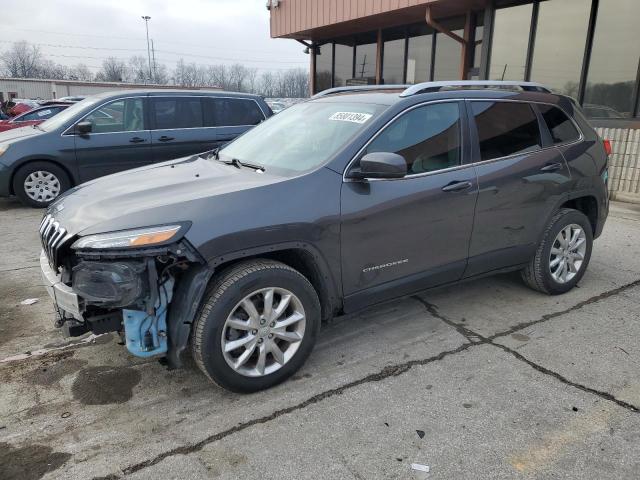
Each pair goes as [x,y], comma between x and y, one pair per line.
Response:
[62,295]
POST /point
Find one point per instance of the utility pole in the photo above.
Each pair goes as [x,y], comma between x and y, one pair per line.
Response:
[146,19]
[153,56]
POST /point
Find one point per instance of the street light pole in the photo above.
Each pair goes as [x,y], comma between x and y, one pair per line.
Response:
[146,19]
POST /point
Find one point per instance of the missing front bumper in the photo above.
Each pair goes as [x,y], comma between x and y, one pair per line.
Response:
[63,296]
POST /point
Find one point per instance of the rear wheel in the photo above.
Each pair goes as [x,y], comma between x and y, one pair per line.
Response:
[257,325]
[38,184]
[563,254]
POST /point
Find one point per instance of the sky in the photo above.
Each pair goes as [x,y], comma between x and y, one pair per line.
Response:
[201,31]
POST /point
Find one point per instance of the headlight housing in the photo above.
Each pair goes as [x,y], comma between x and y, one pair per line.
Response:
[136,238]
[3,148]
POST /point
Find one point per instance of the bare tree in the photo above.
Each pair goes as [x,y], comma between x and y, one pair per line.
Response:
[138,69]
[113,70]
[52,70]
[80,72]
[161,74]
[22,60]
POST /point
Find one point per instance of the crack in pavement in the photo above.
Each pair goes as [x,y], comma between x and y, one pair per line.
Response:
[473,339]
[386,372]
[478,339]
[18,268]
[577,306]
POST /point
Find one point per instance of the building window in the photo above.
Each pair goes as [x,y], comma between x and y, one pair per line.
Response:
[561,36]
[343,62]
[448,51]
[366,50]
[324,61]
[615,55]
[393,56]
[511,27]
[419,54]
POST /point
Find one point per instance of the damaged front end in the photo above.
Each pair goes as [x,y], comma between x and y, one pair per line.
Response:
[145,284]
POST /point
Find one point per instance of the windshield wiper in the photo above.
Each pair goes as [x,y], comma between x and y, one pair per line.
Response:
[215,154]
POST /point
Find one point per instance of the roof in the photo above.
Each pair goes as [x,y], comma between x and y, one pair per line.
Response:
[173,91]
[324,19]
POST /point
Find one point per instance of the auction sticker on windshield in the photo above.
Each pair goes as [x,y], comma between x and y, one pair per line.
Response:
[354,117]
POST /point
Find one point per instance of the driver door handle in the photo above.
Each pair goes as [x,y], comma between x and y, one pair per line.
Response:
[457,186]
[164,138]
[551,167]
[137,140]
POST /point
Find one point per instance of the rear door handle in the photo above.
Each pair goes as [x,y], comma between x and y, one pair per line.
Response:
[164,138]
[457,186]
[551,167]
[137,140]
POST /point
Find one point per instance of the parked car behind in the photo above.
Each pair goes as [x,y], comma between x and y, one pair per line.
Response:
[111,132]
[22,105]
[349,199]
[32,117]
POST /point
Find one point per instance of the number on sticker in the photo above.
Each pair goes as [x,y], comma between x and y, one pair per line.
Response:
[354,117]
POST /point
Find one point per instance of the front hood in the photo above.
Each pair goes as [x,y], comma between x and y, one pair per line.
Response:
[174,191]
[14,134]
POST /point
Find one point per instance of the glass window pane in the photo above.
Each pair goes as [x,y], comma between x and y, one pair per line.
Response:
[561,36]
[366,50]
[510,41]
[169,113]
[230,112]
[343,63]
[477,51]
[419,54]
[118,116]
[614,60]
[323,67]
[562,129]
[427,137]
[393,57]
[448,53]
[505,128]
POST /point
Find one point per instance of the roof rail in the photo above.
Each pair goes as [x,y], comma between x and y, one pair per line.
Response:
[359,88]
[427,87]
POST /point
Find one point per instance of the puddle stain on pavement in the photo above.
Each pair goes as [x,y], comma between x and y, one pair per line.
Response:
[105,385]
[30,462]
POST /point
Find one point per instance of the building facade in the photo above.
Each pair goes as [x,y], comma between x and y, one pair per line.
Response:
[588,49]
[39,89]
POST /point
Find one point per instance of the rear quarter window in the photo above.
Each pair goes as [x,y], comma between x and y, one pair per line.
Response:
[560,126]
[232,112]
[505,128]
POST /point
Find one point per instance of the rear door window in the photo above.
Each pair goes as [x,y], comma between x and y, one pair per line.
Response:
[168,113]
[505,128]
[560,126]
[232,112]
[428,138]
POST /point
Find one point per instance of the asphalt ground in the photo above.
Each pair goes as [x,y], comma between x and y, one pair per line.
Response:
[486,379]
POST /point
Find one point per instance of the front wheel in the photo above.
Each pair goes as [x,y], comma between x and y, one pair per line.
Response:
[563,254]
[257,325]
[37,184]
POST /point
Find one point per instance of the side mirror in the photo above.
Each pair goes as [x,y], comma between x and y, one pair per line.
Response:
[381,165]
[84,127]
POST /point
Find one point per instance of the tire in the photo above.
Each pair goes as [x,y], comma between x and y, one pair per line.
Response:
[54,181]
[541,274]
[213,329]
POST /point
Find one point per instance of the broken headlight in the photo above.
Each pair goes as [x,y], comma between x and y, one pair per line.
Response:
[110,284]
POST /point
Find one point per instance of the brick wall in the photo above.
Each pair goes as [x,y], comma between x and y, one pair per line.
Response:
[624,164]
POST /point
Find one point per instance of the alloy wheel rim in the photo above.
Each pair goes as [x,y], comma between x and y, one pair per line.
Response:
[567,253]
[42,186]
[263,332]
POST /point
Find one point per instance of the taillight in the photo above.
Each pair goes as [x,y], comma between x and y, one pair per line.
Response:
[607,147]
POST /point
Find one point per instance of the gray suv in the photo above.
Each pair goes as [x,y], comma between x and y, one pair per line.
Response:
[355,197]
[111,132]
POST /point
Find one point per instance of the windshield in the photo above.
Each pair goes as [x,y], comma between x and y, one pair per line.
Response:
[67,115]
[303,136]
